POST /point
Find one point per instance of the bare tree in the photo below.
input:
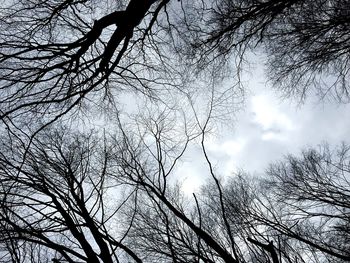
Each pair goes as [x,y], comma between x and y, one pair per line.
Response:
[298,214]
[306,42]
[168,226]
[307,199]
[58,204]
[57,56]
[63,196]
[84,198]
[159,234]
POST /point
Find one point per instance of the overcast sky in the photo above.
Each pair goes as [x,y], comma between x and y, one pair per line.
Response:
[265,130]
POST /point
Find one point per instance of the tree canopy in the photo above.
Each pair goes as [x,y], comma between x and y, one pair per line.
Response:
[58,55]
[71,192]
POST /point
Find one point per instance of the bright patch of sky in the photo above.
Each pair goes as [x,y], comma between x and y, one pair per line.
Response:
[272,121]
[268,129]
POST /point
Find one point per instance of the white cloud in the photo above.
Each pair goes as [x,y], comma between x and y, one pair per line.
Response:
[265,131]
[232,147]
[229,147]
[269,115]
[191,176]
[273,135]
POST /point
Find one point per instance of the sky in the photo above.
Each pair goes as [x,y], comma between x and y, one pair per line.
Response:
[265,130]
